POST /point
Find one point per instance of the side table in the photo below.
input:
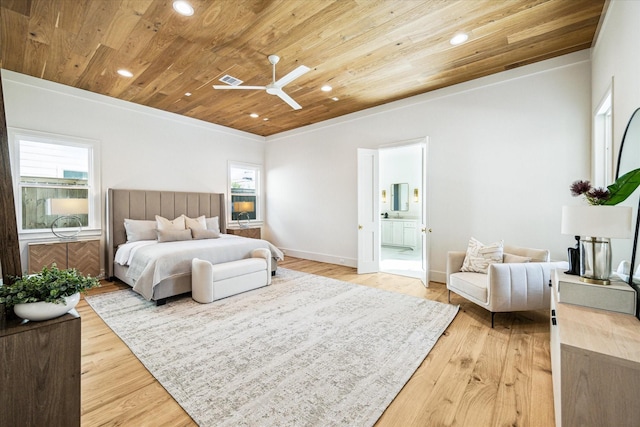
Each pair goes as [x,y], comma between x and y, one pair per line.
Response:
[250,232]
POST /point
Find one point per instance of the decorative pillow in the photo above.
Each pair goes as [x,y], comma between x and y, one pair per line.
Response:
[479,256]
[213,224]
[165,224]
[173,235]
[195,223]
[199,234]
[139,229]
[511,258]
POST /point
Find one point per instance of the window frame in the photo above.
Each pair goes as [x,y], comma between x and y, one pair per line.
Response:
[15,135]
[258,192]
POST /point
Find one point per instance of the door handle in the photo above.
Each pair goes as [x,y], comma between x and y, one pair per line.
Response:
[424,230]
[359,227]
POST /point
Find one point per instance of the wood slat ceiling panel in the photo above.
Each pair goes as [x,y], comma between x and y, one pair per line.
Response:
[371,51]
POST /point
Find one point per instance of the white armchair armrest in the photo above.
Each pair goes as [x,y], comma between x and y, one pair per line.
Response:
[520,286]
[454,262]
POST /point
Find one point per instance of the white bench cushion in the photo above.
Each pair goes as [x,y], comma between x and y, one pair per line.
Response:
[238,268]
[211,282]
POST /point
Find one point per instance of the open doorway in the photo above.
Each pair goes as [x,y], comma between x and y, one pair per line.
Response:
[401,205]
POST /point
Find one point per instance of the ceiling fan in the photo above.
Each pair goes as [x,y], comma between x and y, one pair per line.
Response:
[275,87]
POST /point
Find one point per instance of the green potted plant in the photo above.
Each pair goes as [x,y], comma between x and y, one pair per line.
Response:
[47,294]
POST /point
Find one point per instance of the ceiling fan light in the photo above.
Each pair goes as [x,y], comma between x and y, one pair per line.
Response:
[183,8]
[125,73]
[459,39]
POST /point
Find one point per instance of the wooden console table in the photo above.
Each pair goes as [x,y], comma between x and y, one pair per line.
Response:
[40,372]
[83,255]
[595,362]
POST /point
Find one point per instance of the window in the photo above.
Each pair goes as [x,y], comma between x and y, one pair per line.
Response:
[54,176]
[602,140]
[244,191]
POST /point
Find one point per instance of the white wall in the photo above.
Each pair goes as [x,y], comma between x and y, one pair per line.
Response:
[141,147]
[503,151]
[615,59]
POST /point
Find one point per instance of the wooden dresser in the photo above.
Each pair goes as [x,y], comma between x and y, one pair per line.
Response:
[595,362]
[40,372]
[83,255]
[251,232]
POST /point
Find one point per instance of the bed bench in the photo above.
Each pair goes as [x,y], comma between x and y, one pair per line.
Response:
[211,282]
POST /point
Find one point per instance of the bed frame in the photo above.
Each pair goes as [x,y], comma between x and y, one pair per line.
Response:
[146,204]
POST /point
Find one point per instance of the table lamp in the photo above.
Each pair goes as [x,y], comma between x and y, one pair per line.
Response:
[243,209]
[596,225]
[68,211]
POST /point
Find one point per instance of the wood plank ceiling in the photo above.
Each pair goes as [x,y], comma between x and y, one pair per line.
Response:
[370,51]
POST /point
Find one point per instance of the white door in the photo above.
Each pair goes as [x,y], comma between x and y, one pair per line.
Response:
[368,212]
[424,226]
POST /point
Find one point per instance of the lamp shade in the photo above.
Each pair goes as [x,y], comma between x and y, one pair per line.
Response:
[67,206]
[597,221]
[243,206]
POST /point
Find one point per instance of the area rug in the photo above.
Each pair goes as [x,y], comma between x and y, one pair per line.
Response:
[305,351]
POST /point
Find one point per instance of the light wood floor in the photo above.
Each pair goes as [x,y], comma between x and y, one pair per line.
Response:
[474,376]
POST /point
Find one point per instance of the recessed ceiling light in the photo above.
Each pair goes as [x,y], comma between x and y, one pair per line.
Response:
[187,94]
[459,39]
[254,115]
[183,8]
[125,73]
[335,98]
[326,88]
[266,119]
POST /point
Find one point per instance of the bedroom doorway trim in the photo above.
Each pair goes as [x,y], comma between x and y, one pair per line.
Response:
[369,197]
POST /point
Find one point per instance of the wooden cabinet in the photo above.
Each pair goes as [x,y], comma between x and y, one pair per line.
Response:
[251,232]
[83,255]
[595,363]
[40,372]
[398,232]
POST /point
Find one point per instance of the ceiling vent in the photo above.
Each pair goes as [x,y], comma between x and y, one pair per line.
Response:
[231,80]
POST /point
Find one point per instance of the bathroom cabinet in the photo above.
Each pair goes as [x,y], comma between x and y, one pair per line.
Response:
[399,232]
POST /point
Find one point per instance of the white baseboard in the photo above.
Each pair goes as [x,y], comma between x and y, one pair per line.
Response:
[434,276]
[438,276]
[330,259]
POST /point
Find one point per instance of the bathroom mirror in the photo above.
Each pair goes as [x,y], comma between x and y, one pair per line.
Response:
[400,197]
[628,160]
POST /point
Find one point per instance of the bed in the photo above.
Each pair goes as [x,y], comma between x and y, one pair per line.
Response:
[162,270]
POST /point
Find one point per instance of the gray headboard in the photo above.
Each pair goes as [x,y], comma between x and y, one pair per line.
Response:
[146,204]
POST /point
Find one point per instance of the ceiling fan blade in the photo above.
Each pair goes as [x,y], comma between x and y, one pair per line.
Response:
[292,75]
[238,87]
[286,98]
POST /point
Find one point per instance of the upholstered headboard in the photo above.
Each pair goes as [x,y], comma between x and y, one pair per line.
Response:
[146,204]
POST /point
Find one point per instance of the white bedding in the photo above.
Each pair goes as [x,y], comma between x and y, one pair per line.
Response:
[151,262]
[125,252]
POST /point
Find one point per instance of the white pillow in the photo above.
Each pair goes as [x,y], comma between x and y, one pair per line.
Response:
[173,235]
[199,234]
[479,256]
[213,224]
[195,223]
[511,259]
[165,224]
[137,229]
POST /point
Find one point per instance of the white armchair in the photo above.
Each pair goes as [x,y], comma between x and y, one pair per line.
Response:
[509,286]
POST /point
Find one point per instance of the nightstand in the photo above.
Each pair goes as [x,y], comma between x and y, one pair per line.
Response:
[251,232]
